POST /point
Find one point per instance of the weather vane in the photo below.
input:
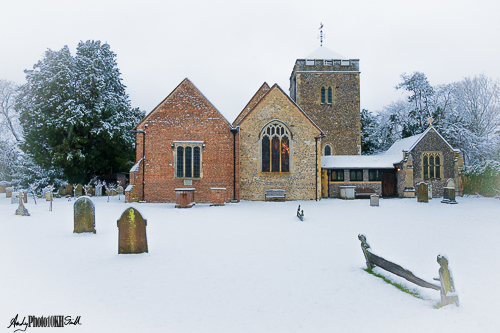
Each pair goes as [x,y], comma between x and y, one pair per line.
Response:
[321,36]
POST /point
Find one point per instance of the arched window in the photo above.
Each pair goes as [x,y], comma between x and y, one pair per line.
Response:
[322,95]
[275,145]
[330,97]
[328,150]
[431,165]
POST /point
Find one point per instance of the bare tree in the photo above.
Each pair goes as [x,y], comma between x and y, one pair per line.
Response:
[8,117]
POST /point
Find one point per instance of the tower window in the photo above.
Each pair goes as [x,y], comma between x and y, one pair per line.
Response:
[330,98]
[328,150]
[322,95]
[345,62]
[309,62]
[328,62]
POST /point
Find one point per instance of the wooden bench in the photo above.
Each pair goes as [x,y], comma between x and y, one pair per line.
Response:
[364,192]
[275,195]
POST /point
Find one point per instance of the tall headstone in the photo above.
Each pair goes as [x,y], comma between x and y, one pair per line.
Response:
[132,232]
[21,210]
[422,192]
[84,213]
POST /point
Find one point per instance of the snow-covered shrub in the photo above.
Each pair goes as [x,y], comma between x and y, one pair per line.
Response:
[482,178]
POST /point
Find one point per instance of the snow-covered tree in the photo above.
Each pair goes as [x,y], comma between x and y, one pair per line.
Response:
[9,120]
[76,114]
[370,142]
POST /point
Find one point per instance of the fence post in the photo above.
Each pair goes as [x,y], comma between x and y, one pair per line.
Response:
[365,247]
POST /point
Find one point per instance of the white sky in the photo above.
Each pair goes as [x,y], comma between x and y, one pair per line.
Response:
[229,48]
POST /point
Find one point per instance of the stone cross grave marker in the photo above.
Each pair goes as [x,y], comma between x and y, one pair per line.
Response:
[84,213]
[132,232]
[21,210]
[422,192]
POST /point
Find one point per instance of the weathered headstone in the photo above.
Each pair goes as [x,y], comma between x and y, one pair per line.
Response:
[14,199]
[21,210]
[8,192]
[69,190]
[374,199]
[79,190]
[84,212]
[49,196]
[448,294]
[132,232]
[429,196]
[449,192]
[422,192]
[62,190]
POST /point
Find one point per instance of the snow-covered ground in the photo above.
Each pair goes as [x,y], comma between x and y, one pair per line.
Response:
[251,267]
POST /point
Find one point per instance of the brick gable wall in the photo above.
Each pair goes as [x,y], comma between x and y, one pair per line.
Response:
[185,115]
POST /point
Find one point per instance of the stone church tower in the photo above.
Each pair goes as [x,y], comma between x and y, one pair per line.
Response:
[326,87]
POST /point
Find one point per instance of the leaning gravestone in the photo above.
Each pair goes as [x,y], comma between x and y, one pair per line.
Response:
[422,192]
[132,232]
[21,210]
[84,212]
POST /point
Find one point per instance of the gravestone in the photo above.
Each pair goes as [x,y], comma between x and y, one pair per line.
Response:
[49,196]
[14,199]
[374,199]
[429,196]
[24,196]
[84,213]
[62,190]
[422,192]
[69,190]
[449,192]
[132,232]
[21,210]
[8,192]
[79,190]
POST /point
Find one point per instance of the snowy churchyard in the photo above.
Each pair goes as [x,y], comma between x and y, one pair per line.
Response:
[252,266]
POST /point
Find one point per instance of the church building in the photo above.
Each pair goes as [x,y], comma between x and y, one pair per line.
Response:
[306,144]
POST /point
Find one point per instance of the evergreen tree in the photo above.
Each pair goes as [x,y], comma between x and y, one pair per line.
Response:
[76,114]
[370,143]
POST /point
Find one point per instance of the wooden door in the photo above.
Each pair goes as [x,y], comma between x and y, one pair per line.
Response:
[324,183]
[388,184]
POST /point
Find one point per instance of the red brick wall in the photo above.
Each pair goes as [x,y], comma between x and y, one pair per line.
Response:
[185,115]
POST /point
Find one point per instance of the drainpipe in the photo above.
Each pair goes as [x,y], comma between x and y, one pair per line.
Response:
[143,156]
[316,138]
[234,131]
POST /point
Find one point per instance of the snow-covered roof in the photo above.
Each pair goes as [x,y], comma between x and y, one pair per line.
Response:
[405,144]
[135,168]
[324,53]
[380,161]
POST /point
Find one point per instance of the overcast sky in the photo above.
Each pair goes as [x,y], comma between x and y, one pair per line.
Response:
[229,48]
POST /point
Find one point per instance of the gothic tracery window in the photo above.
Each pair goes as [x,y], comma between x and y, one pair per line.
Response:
[275,145]
[431,165]
[188,159]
